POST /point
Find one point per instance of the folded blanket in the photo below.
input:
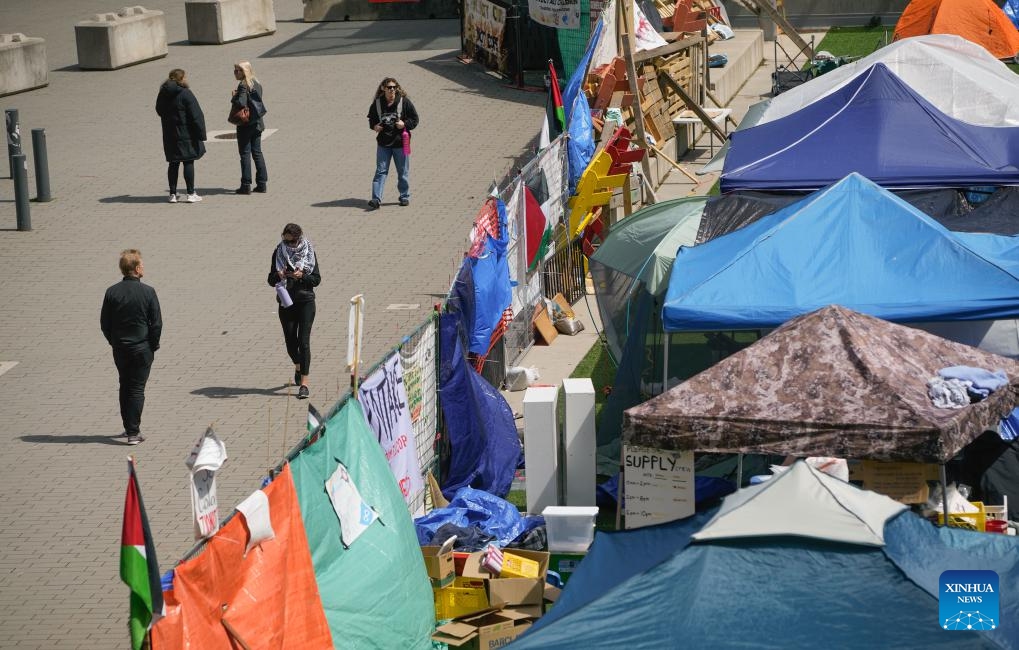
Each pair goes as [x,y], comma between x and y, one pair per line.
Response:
[983,382]
[948,393]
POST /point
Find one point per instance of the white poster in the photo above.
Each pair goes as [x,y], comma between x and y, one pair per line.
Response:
[355,515]
[561,14]
[658,485]
[206,457]
[383,397]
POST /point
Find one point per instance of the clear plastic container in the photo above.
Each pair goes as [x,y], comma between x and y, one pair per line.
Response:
[570,529]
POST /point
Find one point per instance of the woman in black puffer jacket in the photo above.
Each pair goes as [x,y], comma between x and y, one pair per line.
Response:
[183,132]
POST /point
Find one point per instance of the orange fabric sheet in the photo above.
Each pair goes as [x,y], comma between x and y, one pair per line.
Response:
[271,598]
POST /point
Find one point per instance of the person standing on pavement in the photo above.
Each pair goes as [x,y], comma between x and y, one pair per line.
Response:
[392,116]
[295,266]
[132,324]
[249,136]
[183,132]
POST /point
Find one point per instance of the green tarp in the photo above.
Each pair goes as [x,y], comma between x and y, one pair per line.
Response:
[375,593]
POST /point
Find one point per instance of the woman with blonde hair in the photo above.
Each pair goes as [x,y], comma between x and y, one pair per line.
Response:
[249,136]
[183,132]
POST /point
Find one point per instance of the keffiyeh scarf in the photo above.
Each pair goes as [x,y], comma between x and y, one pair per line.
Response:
[298,258]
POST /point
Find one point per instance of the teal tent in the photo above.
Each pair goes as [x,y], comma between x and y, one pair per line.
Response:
[375,592]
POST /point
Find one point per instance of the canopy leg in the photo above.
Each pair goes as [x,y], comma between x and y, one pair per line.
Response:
[665,369]
[944,492]
[739,471]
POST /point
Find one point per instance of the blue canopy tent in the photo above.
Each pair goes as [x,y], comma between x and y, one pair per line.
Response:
[853,244]
[800,561]
[877,126]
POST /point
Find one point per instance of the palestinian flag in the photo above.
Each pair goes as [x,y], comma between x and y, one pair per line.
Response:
[538,229]
[138,567]
[314,418]
[555,115]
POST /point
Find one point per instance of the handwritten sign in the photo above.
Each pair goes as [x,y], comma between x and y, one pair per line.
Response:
[383,396]
[561,14]
[206,457]
[904,482]
[658,485]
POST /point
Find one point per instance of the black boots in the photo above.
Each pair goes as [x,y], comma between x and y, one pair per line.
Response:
[243,189]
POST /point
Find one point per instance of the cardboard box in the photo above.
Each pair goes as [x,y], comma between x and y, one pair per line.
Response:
[518,566]
[484,630]
[466,596]
[511,591]
[565,564]
[439,565]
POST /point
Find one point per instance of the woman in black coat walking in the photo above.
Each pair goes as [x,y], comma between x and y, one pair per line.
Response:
[183,132]
[249,136]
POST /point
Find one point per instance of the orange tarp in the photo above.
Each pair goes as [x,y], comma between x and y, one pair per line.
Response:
[268,599]
[980,21]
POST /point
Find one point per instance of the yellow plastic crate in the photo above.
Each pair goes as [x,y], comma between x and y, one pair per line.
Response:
[971,520]
[516,566]
[466,596]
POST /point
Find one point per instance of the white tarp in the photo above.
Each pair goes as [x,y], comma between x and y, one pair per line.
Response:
[960,78]
[807,503]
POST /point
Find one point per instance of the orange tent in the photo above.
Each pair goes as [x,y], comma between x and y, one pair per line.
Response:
[266,599]
[980,21]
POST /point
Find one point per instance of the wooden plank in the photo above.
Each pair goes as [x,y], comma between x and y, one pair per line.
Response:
[692,105]
[667,49]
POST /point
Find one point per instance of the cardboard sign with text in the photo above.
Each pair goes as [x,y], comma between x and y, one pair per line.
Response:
[658,485]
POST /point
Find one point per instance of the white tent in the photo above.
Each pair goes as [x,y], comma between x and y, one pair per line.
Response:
[957,76]
[960,78]
[805,502]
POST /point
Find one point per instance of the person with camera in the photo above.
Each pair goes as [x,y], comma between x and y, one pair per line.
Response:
[392,116]
[249,136]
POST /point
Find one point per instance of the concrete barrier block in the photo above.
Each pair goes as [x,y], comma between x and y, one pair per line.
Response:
[109,41]
[22,63]
[223,21]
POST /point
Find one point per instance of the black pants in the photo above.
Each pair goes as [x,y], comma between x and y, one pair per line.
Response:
[133,364]
[189,175]
[296,321]
[249,145]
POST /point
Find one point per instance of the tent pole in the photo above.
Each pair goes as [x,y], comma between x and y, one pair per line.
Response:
[665,369]
[944,492]
[739,470]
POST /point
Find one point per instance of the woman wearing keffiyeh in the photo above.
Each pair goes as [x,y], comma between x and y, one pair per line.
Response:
[294,262]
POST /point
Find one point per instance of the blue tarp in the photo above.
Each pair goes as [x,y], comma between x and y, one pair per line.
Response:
[485,447]
[878,126]
[650,588]
[475,508]
[853,244]
[1011,9]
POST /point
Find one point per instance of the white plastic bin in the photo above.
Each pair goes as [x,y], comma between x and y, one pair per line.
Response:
[570,529]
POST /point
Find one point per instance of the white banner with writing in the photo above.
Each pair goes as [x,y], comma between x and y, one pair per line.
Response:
[206,457]
[561,14]
[355,515]
[383,397]
[658,485]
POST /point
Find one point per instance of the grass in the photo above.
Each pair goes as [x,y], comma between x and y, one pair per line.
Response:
[855,42]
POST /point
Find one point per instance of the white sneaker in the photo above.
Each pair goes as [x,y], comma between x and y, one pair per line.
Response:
[193,198]
[173,198]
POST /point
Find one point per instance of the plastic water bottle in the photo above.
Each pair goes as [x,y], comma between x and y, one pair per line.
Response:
[406,142]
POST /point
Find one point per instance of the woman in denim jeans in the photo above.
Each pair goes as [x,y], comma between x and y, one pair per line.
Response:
[249,136]
[390,115]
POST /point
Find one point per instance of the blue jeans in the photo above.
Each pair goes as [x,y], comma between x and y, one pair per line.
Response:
[382,157]
[249,144]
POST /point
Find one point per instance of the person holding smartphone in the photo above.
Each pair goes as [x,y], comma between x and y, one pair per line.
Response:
[295,263]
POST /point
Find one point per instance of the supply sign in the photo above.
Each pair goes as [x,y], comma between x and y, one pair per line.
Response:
[658,485]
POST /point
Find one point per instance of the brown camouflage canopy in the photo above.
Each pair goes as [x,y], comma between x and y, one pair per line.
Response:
[830,383]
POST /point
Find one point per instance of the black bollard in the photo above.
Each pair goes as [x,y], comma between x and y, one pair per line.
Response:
[42,166]
[19,170]
[13,136]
